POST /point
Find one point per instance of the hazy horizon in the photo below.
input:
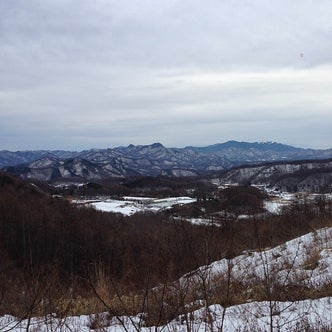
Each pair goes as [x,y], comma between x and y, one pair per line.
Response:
[180,147]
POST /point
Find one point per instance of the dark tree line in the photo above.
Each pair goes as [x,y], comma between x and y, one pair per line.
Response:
[40,233]
[36,229]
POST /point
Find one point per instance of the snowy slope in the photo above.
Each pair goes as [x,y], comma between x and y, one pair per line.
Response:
[306,260]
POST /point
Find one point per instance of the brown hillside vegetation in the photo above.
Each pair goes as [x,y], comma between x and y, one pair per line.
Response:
[56,257]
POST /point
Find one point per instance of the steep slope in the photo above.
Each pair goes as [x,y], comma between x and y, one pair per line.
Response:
[309,176]
[47,169]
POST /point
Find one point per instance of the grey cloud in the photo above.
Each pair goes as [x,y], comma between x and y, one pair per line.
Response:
[87,73]
[213,33]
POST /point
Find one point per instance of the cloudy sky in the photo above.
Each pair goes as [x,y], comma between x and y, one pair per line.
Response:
[79,74]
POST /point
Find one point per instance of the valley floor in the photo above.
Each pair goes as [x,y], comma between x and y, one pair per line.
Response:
[131,205]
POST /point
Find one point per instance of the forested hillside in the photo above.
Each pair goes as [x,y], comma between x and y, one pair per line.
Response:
[65,259]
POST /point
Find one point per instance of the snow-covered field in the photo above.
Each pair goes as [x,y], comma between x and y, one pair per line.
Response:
[306,260]
[279,200]
[131,205]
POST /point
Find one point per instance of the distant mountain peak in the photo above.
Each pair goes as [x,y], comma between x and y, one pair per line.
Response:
[157,145]
[263,146]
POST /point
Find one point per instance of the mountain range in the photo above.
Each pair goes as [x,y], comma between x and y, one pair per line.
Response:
[149,160]
[290,176]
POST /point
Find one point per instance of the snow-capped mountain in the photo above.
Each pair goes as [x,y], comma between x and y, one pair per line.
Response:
[154,159]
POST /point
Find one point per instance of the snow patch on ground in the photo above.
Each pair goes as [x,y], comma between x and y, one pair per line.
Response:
[254,316]
[131,205]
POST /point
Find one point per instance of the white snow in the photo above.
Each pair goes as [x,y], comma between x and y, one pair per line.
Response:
[204,221]
[126,208]
[132,205]
[306,260]
[254,316]
[273,206]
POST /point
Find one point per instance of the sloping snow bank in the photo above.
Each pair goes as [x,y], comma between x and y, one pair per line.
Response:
[306,260]
[254,316]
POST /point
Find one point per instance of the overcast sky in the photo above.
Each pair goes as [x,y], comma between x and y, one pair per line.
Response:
[79,74]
